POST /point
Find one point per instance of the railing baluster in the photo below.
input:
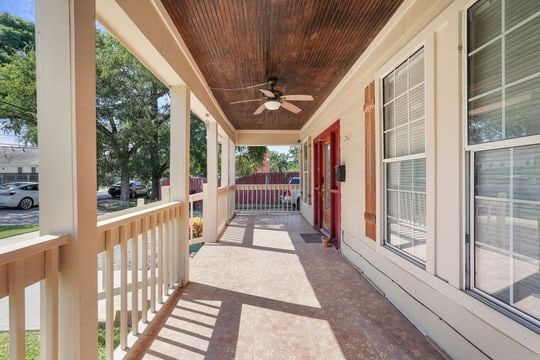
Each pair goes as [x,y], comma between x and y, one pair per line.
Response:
[283,205]
[153,263]
[172,247]
[109,294]
[160,258]
[49,306]
[165,253]
[123,288]
[177,246]
[16,309]
[144,268]
[135,277]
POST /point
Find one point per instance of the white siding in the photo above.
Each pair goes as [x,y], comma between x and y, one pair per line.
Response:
[432,299]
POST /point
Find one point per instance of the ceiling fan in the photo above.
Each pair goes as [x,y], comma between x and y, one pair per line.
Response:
[274,99]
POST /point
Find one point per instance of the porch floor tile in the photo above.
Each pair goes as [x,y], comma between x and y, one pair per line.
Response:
[261,292]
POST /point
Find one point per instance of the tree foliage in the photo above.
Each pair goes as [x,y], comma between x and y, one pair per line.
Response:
[18,77]
[18,96]
[16,36]
[132,108]
[133,116]
[249,159]
[197,146]
[281,162]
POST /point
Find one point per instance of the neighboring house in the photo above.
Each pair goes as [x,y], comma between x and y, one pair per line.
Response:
[18,164]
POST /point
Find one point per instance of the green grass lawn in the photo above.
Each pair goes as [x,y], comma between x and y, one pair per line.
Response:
[32,344]
[12,230]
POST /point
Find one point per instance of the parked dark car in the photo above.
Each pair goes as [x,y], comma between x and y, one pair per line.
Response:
[136,188]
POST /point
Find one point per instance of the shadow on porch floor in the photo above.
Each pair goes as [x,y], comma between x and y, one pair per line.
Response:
[263,293]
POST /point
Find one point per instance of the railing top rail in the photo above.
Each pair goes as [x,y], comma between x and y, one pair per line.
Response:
[111,223]
[196,196]
[267,186]
[16,249]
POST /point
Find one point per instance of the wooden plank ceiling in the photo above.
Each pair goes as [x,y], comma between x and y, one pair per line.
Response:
[308,45]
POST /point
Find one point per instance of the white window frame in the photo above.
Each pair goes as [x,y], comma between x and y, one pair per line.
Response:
[469,174]
[305,174]
[407,261]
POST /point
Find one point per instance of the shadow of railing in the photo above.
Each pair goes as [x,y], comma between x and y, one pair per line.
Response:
[352,319]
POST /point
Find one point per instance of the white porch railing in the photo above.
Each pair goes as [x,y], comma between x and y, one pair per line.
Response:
[267,198]
[225,202]
[118,246]
[23,263]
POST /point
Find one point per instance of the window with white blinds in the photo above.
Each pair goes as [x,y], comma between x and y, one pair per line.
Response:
[503,68]
[404,157]
[503,150]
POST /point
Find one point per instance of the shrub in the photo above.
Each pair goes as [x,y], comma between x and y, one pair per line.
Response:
[197,227]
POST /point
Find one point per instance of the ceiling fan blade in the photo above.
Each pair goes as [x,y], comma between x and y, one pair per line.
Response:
[267,93]
[292,108]
[243,101]
[297,97]
[259,110]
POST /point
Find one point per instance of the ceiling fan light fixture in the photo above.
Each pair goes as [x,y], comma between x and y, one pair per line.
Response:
[272,104]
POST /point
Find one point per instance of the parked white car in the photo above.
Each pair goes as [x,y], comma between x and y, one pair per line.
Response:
[292,197]
[23,195]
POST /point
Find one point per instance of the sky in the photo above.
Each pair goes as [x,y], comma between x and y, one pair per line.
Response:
[22,8]
[279,149]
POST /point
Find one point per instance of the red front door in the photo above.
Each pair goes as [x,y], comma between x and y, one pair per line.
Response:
[327,189]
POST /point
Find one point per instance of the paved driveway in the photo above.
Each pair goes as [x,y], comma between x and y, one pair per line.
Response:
[10,216]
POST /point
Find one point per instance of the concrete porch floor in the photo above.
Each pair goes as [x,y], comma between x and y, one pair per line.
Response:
[263,293]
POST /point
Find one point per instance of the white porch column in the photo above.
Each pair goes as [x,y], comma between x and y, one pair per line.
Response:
[179,170]
[66,108]
[225,162]
[210,195]
[232,177]
[232,163]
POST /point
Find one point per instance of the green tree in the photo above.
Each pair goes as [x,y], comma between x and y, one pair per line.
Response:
[284,162]
[197,146]
[279,162]
[293,157]
[132,116]
[16,36]
[132,108]
[249,159]
[18,96]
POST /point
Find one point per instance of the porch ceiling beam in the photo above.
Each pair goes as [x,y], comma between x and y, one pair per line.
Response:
[143,27]
[267,137]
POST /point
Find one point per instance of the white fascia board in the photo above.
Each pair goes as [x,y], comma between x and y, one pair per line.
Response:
[267,137]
